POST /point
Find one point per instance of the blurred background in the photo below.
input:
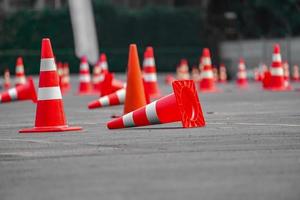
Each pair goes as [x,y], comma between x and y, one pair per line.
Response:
[175,28]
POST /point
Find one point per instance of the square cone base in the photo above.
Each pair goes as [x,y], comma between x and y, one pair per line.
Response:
[50,129]
[188,104]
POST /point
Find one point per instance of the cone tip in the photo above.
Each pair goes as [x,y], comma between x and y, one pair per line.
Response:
[103,57]
[183,61]
[115,123]
[276,48]
[19,61]
[149,52]
[206,52]
[46,49]
[83,59]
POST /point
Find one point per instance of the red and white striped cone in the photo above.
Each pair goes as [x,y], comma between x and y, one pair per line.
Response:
[263,70]
[207,83]
[60,72]
[223,74]
[242,74]
[98,76]
[295,75]
[20,77]
[183,70]
[103,63]
[256,74]
[286,72]
[110,84]
[85,85]
[195,74]
[216,76]
[50,115]
[19,93]
[66,77]
[169,79]
[6,84]
[182,105]
[149,74]
[113,99]
[277,82]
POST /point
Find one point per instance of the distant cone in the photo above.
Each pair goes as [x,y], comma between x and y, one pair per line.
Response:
[135,92]
[103,63]
[182,105]
[50,115]
[66,78]
[19,93]
[286,72]
[20,77]
[183,70]
[222,74]
[241,76]
[296,74]
[277,82]
[207,83]
[85,85]
[149,74]
[60,72]
[169,79]
[110,84]
[112,99]
[256,75]
[195,74]
[98,76]
[6,84]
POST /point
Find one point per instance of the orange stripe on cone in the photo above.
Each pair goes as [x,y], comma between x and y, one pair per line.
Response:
[182,105]
[50,115]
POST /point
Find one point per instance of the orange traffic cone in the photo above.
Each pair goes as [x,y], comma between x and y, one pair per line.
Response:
[182,105]
[21,92]
[103,63]
[223,74]
[207,83]
[242,74]
[183,70]
[296,76]
[135,92]
[277,73]
[50,115]
[6,84]
[149,74]
[195,74]
[112,99]
[20,73]
[85,86]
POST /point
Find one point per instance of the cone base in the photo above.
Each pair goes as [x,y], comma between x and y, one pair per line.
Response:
[50,129]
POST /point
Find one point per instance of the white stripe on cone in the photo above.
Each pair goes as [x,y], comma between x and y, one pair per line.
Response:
[21,80]
[85,78]
[276,71]
[47,64]
[151,113]
[13,93]
[242,75]
[128,120]
[207,74]
[20,69]
[206,61]
[104,101]
[84,67]
[150,77]
[99,78]
[149,62]
[49,93]
[276,57]
[103,65]
[121,94]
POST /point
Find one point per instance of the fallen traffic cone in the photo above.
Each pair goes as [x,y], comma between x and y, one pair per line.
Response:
[103,63]
[109,84]
[207,83]
[295,75]
[182,105]
[242,74]
[21,92]
[223,74]
[277,82]
[135,92]
[149,74]
[20,73]
[183,70]
[112,99]
[50,115]
[6,84]
[85,86]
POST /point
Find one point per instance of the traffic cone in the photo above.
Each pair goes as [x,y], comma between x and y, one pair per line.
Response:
[266,81]
[223,74]
[183,70]
[182,105]
[277,82]
[110,84]
[103,63]
[207,83]
[216,76]
[112,99]
[66,78]
[263,69]
[256,75]
[135,93]
[98,76]
[195,74]
[169,79]
[50,115]
[21,92]
[85,86]
[242,74]
[60,72]
[149,74]
[6,84]
[20,77]
[295,75]
[286,72]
